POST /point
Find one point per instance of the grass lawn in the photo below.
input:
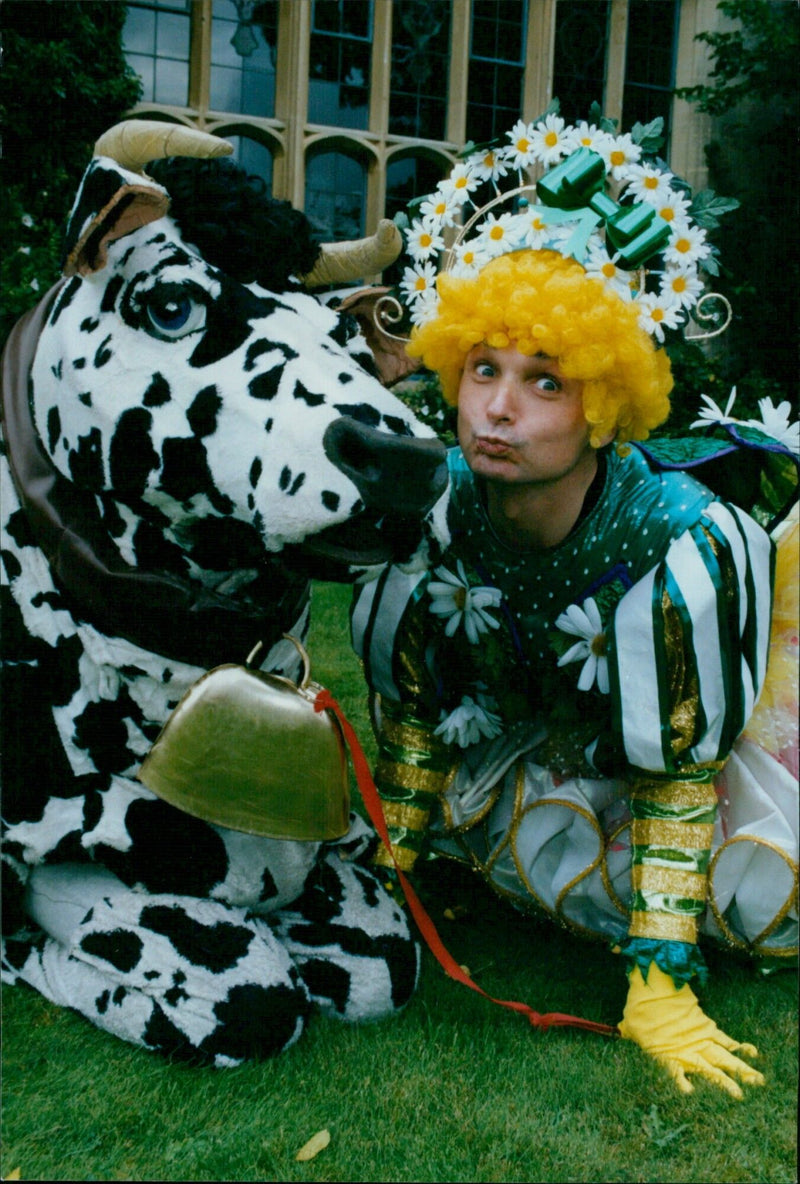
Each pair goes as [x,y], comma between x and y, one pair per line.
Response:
[454,1089]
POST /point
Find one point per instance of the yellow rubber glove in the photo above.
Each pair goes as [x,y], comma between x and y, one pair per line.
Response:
[670,1025]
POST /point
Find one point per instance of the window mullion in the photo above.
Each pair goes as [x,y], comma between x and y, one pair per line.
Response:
[291,99]
[615,59]
[380,68]
[200,59]
[459,72]
[540,43]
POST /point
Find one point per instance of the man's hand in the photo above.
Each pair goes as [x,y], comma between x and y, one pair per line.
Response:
[670,1025]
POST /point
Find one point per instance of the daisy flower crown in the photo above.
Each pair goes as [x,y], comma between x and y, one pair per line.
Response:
[604,199]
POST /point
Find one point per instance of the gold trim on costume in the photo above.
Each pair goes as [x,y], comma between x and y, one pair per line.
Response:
[410,777]
[606,875]
[684,691]
[663,926]
[681,794]
[727,932]
[658,832]
[669,881]
[402,814]
[405,735]
[403,856]
[474,819]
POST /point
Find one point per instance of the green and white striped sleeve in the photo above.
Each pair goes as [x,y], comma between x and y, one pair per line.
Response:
[687,658]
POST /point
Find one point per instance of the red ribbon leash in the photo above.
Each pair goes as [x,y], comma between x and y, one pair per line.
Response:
[554,1019]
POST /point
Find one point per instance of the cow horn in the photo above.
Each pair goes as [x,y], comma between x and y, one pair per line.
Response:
[340,263]
[135,142]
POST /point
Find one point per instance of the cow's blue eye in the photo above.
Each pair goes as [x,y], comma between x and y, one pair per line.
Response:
[171,316]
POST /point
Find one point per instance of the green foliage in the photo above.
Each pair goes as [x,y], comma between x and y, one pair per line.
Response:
[64,81]
[422,394]
[649,136]
[753,90]
[755,60]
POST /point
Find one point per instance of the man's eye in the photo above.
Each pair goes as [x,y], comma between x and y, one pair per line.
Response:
[548,383]
[484,369]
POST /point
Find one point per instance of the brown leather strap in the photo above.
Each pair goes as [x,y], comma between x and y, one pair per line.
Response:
[175,617]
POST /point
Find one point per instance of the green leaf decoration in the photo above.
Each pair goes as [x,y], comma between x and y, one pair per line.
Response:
[649,136]
[595,114]
[707,208]
[483,146]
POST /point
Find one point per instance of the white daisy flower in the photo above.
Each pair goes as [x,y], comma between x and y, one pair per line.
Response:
[423,240]
[469,723]
[649,184]
[687,245]
[418,280]
[459,184]
[682,285]
[549,143]
[489,165]
[584,621]
[658,312]
[496,233]
[470,258]
[775,422]
[598,263]
[519,153]
[673,207]
[452,597]
[587,135]
[440,208]
[425,306]
[619,153]
[711,413]
[535,232]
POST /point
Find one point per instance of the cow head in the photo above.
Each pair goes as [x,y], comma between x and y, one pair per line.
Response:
[201,407]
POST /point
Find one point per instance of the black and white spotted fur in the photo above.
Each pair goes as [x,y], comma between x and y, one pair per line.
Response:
[231,438]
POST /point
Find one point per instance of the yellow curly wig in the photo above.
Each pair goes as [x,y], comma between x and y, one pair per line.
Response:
[543,302]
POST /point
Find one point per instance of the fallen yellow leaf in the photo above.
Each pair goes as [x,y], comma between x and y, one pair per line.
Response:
[315,1144]
[13,1175]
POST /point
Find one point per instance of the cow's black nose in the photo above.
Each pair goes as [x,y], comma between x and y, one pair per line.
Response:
[393,474]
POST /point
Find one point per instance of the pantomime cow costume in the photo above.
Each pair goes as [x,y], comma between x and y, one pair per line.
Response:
[191,436]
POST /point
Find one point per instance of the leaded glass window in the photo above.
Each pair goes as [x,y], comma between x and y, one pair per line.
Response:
[243,50]
[156,43]
[650,62]
[335,196]
[339,69]
[420,57]
[410,177]
[253,157]
[579,59]
[496,68]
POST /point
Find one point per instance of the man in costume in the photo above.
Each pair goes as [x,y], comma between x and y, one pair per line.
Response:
[559,701]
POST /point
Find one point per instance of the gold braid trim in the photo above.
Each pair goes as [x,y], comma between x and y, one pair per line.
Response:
[758,944]
[657,832]
[388,773]
[669,881]
[680,794]
[401,814]
[663,926]
[684,692]
[404,857]
[405,735]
